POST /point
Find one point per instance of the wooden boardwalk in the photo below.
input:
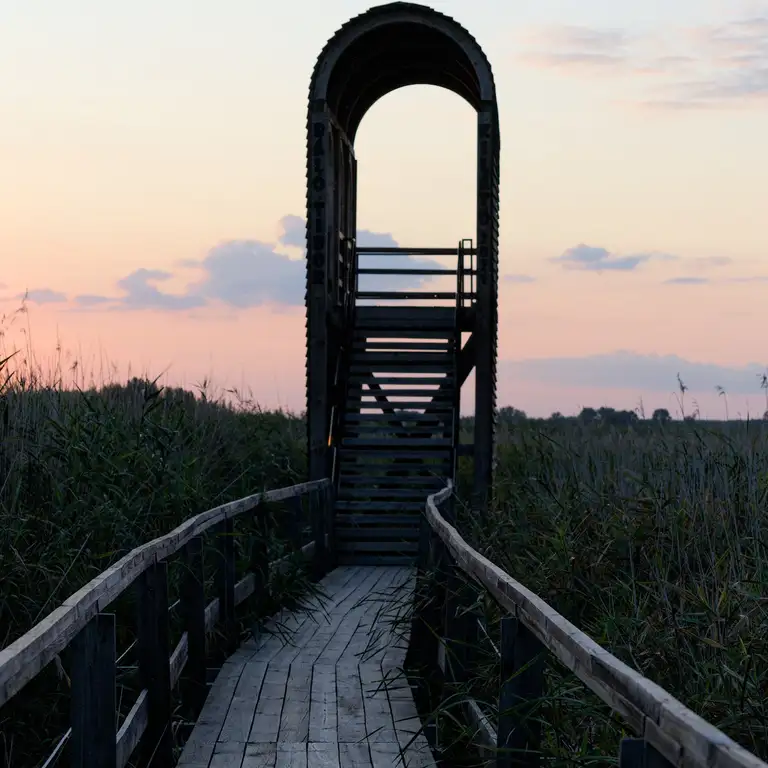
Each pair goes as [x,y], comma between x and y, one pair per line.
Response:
[321,686]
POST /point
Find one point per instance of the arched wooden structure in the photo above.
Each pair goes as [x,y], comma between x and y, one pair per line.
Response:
[359,356]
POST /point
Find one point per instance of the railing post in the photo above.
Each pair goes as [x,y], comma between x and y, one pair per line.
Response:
[462,631]
[638,753]
[154,664]
[225,583]
[522,685]
[294,516]
[193,616]
[328,502]
[93,703]
[259,560]
[317,514]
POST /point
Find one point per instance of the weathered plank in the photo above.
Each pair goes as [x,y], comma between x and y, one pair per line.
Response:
[316,689]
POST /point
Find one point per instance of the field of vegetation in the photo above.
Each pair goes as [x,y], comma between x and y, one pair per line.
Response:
[650,536]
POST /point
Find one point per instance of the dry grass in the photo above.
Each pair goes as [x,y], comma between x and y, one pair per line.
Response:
[653,541]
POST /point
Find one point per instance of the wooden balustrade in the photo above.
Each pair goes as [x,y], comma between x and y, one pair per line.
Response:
[82,626]
[445,630]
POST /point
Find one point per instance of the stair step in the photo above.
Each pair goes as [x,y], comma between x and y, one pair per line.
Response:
[406,381]
[373,533]
[391,433]
[406,295]
[371,368]
[403,333]
[373,518]
[396,442]
[414,493]
[436,393]
[414,358]
[391,453]
[373,480]
[402,346]
[444,407]
[348,558]
[377,546]
[380,506]
[400,418]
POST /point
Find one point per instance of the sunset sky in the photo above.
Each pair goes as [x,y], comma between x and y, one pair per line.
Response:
[152,170]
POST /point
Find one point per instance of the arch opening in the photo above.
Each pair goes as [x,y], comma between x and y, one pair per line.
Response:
[380,51]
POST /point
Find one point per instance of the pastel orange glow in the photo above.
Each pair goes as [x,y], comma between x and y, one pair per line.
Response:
[171,139]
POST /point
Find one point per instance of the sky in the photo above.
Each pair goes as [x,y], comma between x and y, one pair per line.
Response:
[152,171]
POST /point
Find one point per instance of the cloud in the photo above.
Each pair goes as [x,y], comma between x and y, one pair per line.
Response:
[43,296]
[250,273]
[294,231]
[704,67]
[687,281]
[641,373]
[595,259]
[519,279]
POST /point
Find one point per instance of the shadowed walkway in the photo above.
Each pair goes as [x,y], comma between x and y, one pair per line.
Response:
[322,686]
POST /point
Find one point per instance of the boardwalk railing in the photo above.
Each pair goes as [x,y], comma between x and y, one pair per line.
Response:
[81,626]
[667,732]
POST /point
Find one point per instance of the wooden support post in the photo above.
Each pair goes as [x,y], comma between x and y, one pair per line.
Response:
[638,753]
[93,703]
[293,519]
[462,630]
[317,514]
[329,506]
[225,583]
[154,664]
[194,688]
[522,685]
[259,562]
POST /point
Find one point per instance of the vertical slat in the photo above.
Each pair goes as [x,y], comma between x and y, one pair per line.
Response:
[317,514]
[154,663]
[293,517]
[638,753]
[462,631]
[225,583]
[93,702]
[522,685]
[259,562]
[193,613]
[329,502]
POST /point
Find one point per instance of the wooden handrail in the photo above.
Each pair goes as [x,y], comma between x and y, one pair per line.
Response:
[660,720]
[81,622]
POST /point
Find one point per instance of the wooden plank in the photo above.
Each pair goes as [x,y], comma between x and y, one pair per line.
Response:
[323,721]
[242,707]
[353,755]
[323,755]
[154,663]
[266,721]
[25,657]
[294,720]
[193,617]
[225,578]
[93,701]
[132,730]
[260,755]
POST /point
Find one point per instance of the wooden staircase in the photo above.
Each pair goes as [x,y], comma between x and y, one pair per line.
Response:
[398,431]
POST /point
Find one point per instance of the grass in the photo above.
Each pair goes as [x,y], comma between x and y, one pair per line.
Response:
[87,473]
[651,538]
[653,541]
